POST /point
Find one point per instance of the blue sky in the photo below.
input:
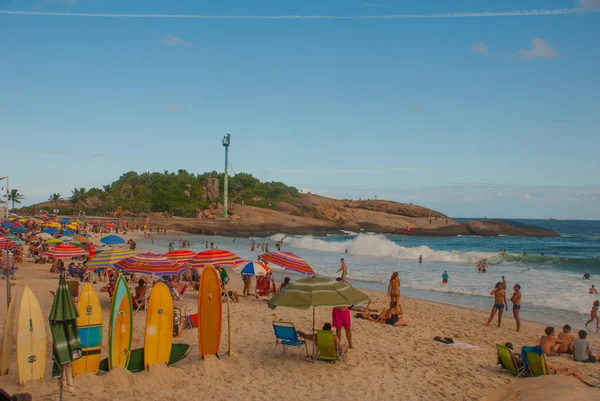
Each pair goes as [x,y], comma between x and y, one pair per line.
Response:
[470,114]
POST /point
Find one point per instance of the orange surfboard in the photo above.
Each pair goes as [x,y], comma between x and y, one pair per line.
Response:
[209,311]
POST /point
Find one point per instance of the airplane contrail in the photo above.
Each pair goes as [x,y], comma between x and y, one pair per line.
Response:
[483,14]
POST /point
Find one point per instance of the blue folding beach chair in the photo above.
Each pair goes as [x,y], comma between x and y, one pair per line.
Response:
[286,336]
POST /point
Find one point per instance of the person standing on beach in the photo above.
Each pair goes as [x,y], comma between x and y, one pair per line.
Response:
[445,277]
[340,317]
[516,300]
[594,315]
[499,303]
[420,258]
[504,282]
[394,288]
[344,270]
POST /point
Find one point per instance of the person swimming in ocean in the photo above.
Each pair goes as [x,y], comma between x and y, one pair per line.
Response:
[420,258]
[593,290]
[586,276]
[499,303]
[445,277]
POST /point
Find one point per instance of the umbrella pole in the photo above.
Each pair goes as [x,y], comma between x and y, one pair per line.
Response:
[314,336]
[230,351]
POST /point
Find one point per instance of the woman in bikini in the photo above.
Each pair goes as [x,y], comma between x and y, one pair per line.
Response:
[394,288]
[500,303]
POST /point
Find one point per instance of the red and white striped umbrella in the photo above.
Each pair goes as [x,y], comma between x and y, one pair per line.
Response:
[180,256]
[288,261]
[216,257]
[150,263]
[65,251]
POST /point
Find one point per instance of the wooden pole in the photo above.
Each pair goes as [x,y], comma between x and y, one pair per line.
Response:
[230,350]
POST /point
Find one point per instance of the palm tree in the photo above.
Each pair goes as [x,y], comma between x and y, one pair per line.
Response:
[55,197]
[15,197]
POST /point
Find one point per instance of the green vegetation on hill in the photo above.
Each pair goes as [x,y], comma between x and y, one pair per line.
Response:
[181,193]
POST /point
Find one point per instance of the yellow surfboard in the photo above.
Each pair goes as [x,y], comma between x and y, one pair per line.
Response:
[158,336]
[89,324]
[31,339]
[209,311]
[7,337]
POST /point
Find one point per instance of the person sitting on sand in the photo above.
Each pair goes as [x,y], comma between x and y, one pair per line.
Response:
[313,337]
[550,343]
[232,294]
[393,316]
[594,315]
[593,290]
[582,349]
[499,303]
[286,281]
[140,292]
[567,337]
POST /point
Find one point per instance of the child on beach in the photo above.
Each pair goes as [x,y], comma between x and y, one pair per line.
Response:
[594,315]
[499,303]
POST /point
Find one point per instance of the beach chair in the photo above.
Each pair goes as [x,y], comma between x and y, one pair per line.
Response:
[286,336]
[534,360]
[508,362]
[327,348]
[178,298]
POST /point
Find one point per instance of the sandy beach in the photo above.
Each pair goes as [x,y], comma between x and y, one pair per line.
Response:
[386,362]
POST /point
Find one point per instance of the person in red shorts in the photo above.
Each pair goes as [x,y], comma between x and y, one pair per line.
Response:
[340,317]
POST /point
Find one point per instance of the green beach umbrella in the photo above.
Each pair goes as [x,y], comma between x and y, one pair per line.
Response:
[317,292]
[66,345]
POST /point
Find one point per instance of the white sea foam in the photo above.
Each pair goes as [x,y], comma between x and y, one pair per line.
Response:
[380,246]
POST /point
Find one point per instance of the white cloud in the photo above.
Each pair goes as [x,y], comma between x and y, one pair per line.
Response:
[482,14]
[479,47]
[343,171]
[589,5]
[172,107]
[417,109]
[173,40]
[539,49]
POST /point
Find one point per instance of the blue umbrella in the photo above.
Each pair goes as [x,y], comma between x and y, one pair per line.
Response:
[65,221]
[6,224]
[50,231]
[112,240]
[18,229]
[67,232]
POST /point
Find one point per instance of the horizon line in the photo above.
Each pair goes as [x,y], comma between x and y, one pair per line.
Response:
[482,14]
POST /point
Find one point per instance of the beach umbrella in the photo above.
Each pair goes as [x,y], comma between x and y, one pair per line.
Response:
[112,240]
[65,251]
[66,345]
[180,256]
[317,292]
[79,245]
[53,225]
[65,221]
[106,258]
[109,225]
[53,241]
[43,235]
[150,263]
[68,232]
[288,261]
[66,238]
[94,222]
[82,238]
[216,257]
[51,231]
[6,242]
[6,224]
[85,235]
[18,229]
[73,226]
[252,269]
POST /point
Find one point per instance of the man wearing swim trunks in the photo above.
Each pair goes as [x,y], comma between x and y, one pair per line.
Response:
[344,270]
[340,317]
[499,303]
[516,300]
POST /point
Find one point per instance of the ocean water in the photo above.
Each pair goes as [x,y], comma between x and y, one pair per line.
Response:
[552,285]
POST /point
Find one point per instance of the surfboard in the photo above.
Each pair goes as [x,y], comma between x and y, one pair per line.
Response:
[120,324]
[7,338]
[158,336]
[31,339]
[136,361]
[209,311]
[89,324]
